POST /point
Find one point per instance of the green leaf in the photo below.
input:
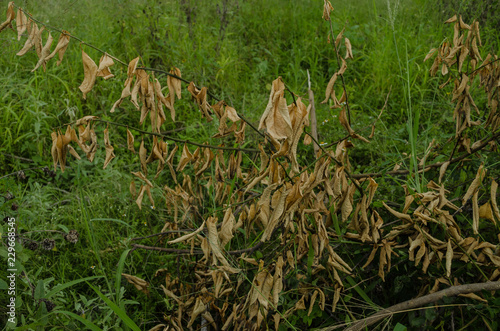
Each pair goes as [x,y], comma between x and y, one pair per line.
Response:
[118,276]
[61,287]
[39,290]
[87,323]
[123,315]
[400,327]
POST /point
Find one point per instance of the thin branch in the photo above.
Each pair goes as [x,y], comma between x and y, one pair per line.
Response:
[430,166]
[419,302]
[196,252]
[247,150]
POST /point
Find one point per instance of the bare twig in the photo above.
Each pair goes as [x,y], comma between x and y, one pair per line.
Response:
[421,301]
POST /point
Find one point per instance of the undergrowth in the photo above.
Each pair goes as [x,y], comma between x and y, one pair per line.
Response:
[235,222]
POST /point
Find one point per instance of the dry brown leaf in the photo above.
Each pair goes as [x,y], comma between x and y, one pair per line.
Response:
[11,15]
[132,189]
[449,257]
[276,118]
[474,186]
[397,214]
[493,200]
[452,19]
[62,45]
[104,63]
[140,284]
[186,157]
[442,170]
[143,157]
[174,84]
[199,308]
[109,149]
[21,23]
[90,74]
[327,8]
[187,236]
[130,141]
[348,53]
[330,92]
[31,39]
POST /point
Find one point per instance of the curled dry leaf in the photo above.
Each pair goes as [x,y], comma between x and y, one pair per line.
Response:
[185,158]
[62,45]
[348,53]
[474,186]
[143,157]
[10,16]
[109,149]
[327,8]
[200,96]
[130,141]
[188,236]
[139,283]
[30,41]
[276,117]
[21,23]
[90,74]
[44,54]
[104,63]
[449,258]
[174,84]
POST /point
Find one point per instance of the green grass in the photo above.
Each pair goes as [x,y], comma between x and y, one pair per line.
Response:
[262,40]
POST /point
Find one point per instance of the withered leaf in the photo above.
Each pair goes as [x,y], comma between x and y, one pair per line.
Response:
[90,74]
[44,54]
[62,45]
[21,23]
[139,283]
[188,236]
[327,8]
[143,157]
[130,141]
[104,63]
[10,16]
[348,53]
[449,257]
[174,84]
[30,41]
[276,117]
[109,149]
[185,158]
[474,186]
